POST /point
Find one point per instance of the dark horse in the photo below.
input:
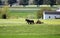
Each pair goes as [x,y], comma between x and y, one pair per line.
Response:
[29,21]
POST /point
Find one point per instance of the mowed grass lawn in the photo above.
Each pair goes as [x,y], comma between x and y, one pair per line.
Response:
[18,28]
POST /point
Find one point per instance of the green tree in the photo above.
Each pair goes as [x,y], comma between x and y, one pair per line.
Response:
[4,10]
[40,12]
[52,2]
[58,2]
[0,2]
[23,2]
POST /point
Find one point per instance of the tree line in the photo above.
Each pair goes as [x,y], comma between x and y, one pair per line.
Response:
[35,2]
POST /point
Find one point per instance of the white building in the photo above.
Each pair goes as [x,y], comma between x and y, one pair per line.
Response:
[51,15]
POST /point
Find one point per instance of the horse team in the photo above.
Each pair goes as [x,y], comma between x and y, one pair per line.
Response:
[32,21]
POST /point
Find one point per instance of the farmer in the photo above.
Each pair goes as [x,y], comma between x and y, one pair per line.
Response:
[38,22]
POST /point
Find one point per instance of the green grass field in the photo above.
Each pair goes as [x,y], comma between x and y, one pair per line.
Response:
[22,13]
[18,28]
